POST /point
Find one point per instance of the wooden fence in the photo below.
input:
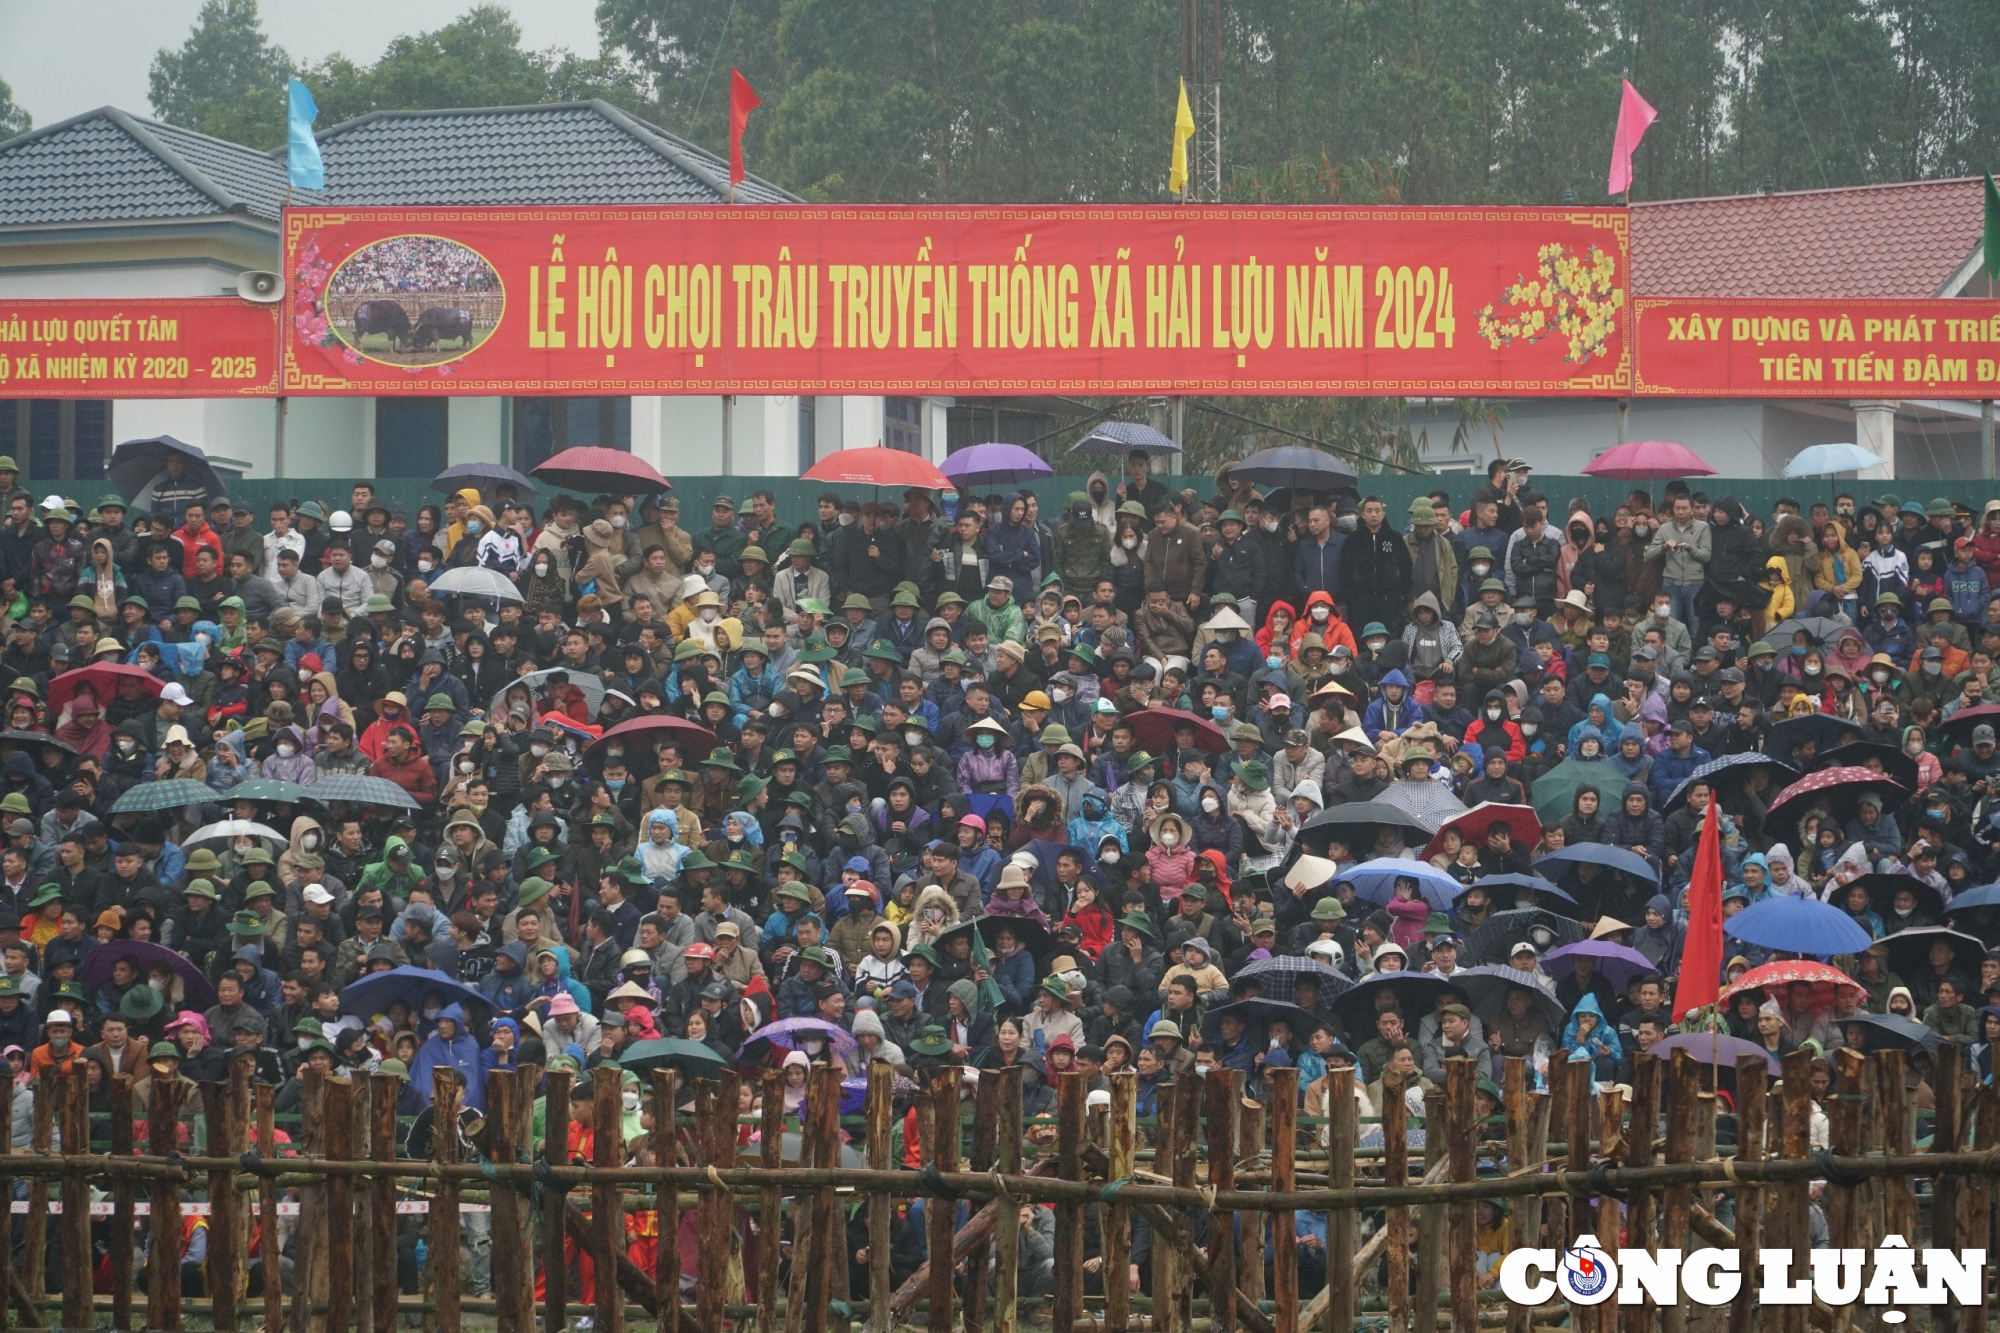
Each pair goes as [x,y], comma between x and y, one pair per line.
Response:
[1219,1180]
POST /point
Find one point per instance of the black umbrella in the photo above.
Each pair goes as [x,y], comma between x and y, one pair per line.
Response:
[1823,729]
[1858,754]
[482,477]
[1820,629]
[1034,936]
[1365,814]
[1882,890]
[1415,993]
[1731,768]
[1495,940]
[1121,437]
[1257,1014]
[135,465]
[1284,970]
[1909,951]
[1505,890]
[1892,1032]
[1294,466]
[1486,989]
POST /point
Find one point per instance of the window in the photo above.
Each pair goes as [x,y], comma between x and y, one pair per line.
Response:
[544,427]
[808,432]
[410,436]
[903,424]
[56,439]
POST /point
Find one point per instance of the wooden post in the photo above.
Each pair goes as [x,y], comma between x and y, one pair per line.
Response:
[1462,1125]
[1752,1074]
[123,1203]
[940,1222]
[163,1257]
[1282,1087]
[309,1253]
[443,1263]
[1221,1091]
[338,1215]
[359,1218]
[1396,1172]
[382,1197]
[1430,1221]
[1555,1208]
[1677,1206]
[507,1131]
[667,1254]
[1251,1123]
[1341,1223]
[829,1275]
[1978,1233]
[715,1120]
[802,1237]
[607,1143]
[1582,1108]
[1795,1197]
[1007,1230]
[76,1252]
[270,1264]
[223,1138]
[36,1256]
[1117,1217]
[1898,1140]
[1610,1130]
[1947,1081]
[985,1152]
[1514,1101]
[771,1203]
[556,1088]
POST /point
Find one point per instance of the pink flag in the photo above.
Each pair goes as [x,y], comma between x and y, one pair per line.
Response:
[1634,115]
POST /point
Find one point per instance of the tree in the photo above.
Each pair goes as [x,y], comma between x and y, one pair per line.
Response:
[227,79]
[13,120]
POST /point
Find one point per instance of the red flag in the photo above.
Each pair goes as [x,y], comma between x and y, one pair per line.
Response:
[743,100]
[1701,951]
[1634,115]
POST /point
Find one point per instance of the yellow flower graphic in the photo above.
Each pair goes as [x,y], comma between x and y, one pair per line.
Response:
[1579,296]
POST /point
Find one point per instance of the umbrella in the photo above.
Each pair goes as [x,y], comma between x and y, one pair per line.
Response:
[273,790]
[1986,895]
[481,477]
[694,739]
[1257,1014]
[1909,951]
[788,1032]
[198,990]
[590,468]
[1415,992]
[1820,629]
[1648,460]
[1155,728]
[1713,1048]
[230,829]
[1511,886]
[1120,437]
[993,465]
[1294,466]
[1357,814]
[360,789]
[1797,925]
[104,680]
[1893,1032]
[1735,766]
[1428,803]
[1857,754]
[1332,981]
[1555,791]
[1494,941]
[476,581]
[1828,982]
[1375,881]
[1842,788]
[1034,936]
[1618,963]
[35,738]
[1824,730]
[375,992]
[590,683]
[135,465]
[694,1058]
[876,465]
[1476,823]
[164,794]
[1824,460]
[1486,990]
[1958,726]
[1882,889]
[1603,855]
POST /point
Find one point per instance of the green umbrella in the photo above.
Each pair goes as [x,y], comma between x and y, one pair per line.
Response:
[265,789]
[690,1057]
[1555,790]
[169,794]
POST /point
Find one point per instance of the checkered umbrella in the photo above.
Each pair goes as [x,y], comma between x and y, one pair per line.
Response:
[266,789]
[167,794]
[362,790]
[1332,981]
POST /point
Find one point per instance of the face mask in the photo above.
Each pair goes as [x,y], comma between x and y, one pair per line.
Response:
[1521,617]
[986,742]
[473,525]
[847,520]
[618,520]
[447,872]
[709,615]
[1219,711]
[1493,715]
[425,566]
[1878,676]
[465,765]
[1210,804]
[1269,525]
[1109,856]
[1169,838]
[126,745]
[631,1100]
[287,750]
[538,749]
[1128,542]
[1346,522]
[913,738]
[379,561]
[1812,671]
[706,571]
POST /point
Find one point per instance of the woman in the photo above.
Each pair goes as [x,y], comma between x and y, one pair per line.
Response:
[1834,567]
[1010,1050]
[1583,823]
[1013,548]
[103,581]
[970,1028]
[1128,557]
[484,674]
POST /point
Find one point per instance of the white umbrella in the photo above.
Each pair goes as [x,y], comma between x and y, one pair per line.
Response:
[229,830]
[476,581]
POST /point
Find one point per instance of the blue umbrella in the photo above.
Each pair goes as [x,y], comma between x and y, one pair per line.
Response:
[1783,774]
[993,465]
[1118,437]
[1986,895]
[1824,460]
[1798,925]
[377,991]
[1375,881]
[1294,466]
[1605,856]
[136,464]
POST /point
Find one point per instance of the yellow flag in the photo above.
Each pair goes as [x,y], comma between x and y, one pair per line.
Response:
[1177,175]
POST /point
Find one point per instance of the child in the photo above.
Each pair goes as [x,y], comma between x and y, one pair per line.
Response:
[1408,911]
[1966,585]
[882,968]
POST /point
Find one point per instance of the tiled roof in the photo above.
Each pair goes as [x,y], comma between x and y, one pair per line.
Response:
[107,166]
[569,153]
[1898,241]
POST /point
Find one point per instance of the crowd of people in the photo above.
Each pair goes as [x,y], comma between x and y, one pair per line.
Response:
[413,264]
[1166,781]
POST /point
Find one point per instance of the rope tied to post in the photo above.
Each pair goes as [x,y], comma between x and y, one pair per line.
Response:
[715,1178]
[254,1163]
[933,1185]
[1836,1174]
[1600,1180]
[1112,1189]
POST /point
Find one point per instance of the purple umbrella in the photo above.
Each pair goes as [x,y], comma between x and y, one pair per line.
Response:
[96,970]
[993,464]
[787,1032]
[1713,1048]
[1618,963]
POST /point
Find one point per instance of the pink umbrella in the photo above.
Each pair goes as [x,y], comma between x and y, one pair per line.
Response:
[1648,460]
[594,468]
[875,465]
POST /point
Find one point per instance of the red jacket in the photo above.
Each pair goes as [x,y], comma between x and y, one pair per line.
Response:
[413,775]
[192,542]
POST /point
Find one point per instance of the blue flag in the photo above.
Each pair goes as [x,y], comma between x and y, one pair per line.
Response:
[302,153]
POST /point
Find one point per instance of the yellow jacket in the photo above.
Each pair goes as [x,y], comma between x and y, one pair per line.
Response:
[1821,563]
[1783,599]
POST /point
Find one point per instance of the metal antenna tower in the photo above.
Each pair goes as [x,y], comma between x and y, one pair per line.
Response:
[1201,66]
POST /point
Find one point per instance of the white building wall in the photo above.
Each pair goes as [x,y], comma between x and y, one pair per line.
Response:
[473,434]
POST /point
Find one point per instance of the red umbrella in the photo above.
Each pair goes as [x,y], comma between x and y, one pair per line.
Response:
[1475,823]
[591,468]
[694,739]
[1960,724]
[103,680]
[1848,784]
[1648,460]
[877,466]
[1155,729]
[1827,982]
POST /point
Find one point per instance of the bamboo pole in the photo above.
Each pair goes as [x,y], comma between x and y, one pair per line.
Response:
[1282,1087]
[268,1260]
[985,1154]
[1221,1089]
[556,1088]
[382,1198]
[667,1207]
[1396,1172]
[163,1269]
[443,1270]
[941,1151]
[123,1200]
[1751,1076]
[1342,1223]
[607,1148]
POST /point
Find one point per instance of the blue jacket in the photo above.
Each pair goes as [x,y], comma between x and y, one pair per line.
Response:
[1016,977]
[1966,586]
[1670,770]
[1014,550]
[1316,568]
[1409,713]
[743,684]
[1895,640]
[461,1054]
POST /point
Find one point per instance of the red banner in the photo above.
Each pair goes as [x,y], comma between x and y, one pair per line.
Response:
[995,300]
[1816,349]
[200,347]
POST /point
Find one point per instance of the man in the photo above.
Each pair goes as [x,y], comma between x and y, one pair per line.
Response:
[1375,570]
[179,488]
[1174,556]
[723,539]
[193,535]
[1139,485]
[1532,556]
[1316,567]
[296,589]
[341,579]
[1686,544]
[1236,564]
[404,764]
[1433,556]
[282,537]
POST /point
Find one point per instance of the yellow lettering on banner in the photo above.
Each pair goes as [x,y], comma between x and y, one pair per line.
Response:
[947,306]
[1110,306]
[545,305]
[1973,331]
